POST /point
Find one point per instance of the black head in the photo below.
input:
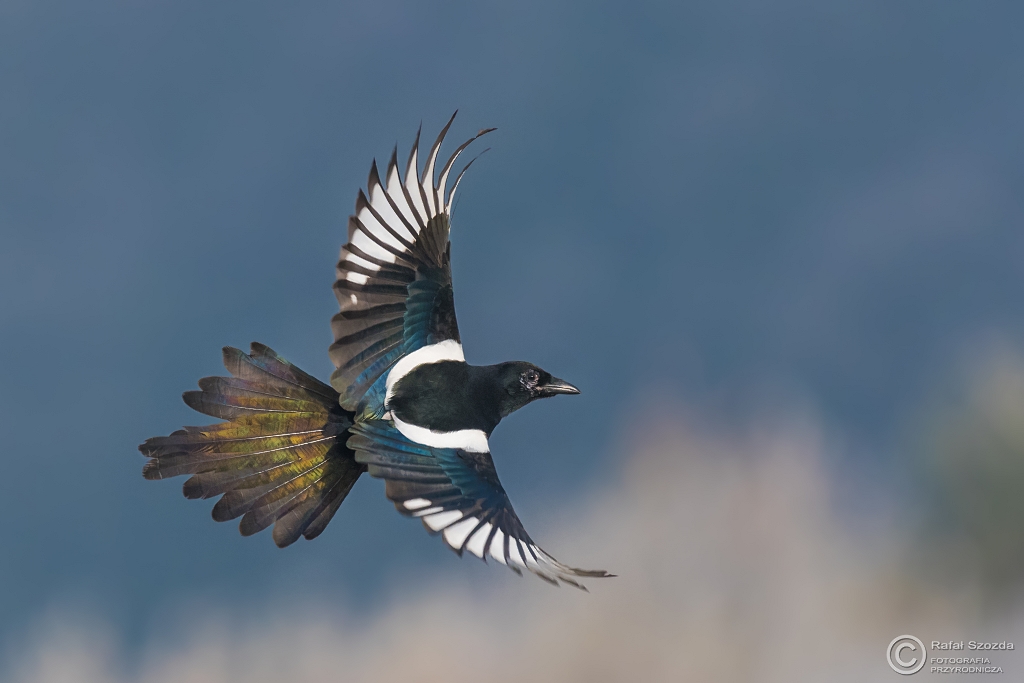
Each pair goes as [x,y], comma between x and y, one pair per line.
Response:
[524,382]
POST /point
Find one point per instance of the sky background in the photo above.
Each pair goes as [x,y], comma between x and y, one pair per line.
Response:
[800,219]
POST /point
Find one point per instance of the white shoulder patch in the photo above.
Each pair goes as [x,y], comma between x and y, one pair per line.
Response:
[449,349]
[472,440]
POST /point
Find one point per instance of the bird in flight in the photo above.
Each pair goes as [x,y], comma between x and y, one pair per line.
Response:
[403,404]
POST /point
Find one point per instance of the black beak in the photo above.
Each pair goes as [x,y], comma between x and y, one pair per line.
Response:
[558,386]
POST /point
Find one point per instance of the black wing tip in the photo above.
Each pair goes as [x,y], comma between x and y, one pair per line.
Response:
[374,177]
[547,579]
[444,130]
[470,163]
[592,573]
[361,203]
[414,149]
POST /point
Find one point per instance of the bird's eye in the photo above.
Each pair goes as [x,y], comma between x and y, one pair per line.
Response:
[529,379]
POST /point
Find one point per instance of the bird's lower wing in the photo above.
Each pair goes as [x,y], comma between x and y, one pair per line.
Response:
[456,493]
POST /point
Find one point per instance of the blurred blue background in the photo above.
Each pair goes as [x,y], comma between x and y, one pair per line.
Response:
[729,206]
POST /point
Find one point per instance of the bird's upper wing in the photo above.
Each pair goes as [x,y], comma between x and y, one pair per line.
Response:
[394,277]
[456,493]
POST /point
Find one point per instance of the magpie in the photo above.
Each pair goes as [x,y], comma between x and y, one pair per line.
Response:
[403,405]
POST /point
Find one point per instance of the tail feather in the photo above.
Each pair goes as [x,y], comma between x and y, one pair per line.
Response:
[234,404]
[242,387]
[262,365]
[280,500]
[209,484]
[241,430]
[323,512]
[218,455]
[309,516]
[280,459]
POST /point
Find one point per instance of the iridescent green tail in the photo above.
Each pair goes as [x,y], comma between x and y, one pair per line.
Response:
[279,459]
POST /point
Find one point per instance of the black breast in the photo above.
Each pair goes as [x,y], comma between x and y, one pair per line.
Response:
[444,397]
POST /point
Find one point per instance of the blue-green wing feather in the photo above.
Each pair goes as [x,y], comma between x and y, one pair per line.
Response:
[456,493]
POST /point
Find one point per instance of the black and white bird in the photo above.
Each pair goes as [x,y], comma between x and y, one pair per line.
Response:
[403,403]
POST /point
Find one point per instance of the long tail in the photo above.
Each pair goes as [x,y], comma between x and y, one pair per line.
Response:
[279,459]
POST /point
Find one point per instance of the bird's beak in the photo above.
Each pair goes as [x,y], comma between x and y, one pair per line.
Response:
[558,386]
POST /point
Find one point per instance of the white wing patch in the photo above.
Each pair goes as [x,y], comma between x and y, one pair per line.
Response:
[413,186]
[390,217]
[404,214]
[456,534]
[463,531]
[477,541]
[440,520]
[380,204]
[514,557]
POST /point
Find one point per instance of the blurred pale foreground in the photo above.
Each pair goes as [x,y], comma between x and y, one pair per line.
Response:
[733,566]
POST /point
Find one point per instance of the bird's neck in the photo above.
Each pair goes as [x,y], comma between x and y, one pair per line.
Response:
[485,392]
[487,387]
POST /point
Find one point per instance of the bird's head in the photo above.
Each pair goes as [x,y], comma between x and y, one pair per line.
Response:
[524,382]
